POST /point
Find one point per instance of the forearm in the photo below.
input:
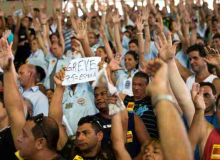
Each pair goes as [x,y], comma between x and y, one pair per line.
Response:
[181,91]
[118,39]
[194,132]
[13,103]
[172,130]
[218,71]
[117,138]
[56,110]
[147,38]
[86,48]
[108,48]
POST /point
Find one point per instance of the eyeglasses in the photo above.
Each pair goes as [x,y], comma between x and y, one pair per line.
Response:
[39,120]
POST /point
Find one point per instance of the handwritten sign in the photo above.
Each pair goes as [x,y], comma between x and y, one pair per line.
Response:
[81,70]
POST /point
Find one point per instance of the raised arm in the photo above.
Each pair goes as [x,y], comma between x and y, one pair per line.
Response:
[169,121]
[81,35]
[117,139]
[39,37]
[59,26]
[145,16]
[12,97]
[167,53]
[56,109]
[116,20]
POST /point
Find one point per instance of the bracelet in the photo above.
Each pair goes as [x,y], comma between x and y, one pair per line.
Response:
[140,33]
[159,98]
[146,25]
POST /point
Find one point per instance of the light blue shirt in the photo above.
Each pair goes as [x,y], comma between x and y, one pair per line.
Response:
[124,83]
[63,62]
[78,104]
[38,99]
[38,59]
[153,51]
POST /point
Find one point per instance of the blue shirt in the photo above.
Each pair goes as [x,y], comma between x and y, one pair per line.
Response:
[38,99]
[67,34]
[78,104]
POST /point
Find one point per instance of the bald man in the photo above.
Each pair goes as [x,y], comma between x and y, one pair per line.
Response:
[29,89]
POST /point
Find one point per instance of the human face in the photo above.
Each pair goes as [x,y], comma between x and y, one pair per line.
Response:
[10,20]
[209,99]
[139,86]
[216,43]
[25,22]
[24,75]
[74,44]
[68,23]
[86,138]
[92,39]
[49,95]
[130,62]
[54,39]
[196,61]
[151,19]
[133,47]
[26,141]
[57,51]
[153,151]
[101,53]
[34,45]
[100,99]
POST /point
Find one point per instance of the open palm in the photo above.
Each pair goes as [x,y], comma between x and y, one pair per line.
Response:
[5,54]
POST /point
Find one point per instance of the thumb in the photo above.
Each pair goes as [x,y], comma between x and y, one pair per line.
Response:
[175,45]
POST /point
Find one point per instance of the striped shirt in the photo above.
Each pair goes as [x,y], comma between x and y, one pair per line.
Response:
[67,34]
[144,109]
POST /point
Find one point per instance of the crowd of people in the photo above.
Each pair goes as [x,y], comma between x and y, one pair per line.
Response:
[165,64]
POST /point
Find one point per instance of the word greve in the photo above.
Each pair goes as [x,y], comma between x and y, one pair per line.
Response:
[81,70]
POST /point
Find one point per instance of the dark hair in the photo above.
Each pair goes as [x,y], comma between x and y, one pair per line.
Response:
[50,128]
[2,98]
[217,35]
[210,85]
[142,75]
[54,34]
[133,41]
[95,121]
[50,90]
[36,10]
[196,47]
[40,73]
[135,55]
[128,33]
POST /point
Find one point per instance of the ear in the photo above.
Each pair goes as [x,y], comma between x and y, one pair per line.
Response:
[100,136]
[40,143]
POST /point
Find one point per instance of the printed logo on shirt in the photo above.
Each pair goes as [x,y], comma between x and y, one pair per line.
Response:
[53,61]
[77,158]
[127,84]
[141,110]
[130,106]
[129,137]
[215,152]
[69,105]
[81,101]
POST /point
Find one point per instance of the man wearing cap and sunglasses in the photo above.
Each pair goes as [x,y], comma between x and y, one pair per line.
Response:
[37,138]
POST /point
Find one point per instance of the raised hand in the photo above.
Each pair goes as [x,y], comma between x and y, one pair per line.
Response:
[116,17]
[114,65]
[197,97]
[5,54]
[6,34]
[44,19]
[158,71]
[165,47]
[77,47]
[102,7]
[1,13]
[145,13]
[37,26]
[139,24]
[81,32]
[13,6]
[213,56]
[59,77]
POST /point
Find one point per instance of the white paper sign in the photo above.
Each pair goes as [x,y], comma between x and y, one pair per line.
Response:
[81,70]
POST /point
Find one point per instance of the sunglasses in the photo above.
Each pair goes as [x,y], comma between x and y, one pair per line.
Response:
[39,120]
